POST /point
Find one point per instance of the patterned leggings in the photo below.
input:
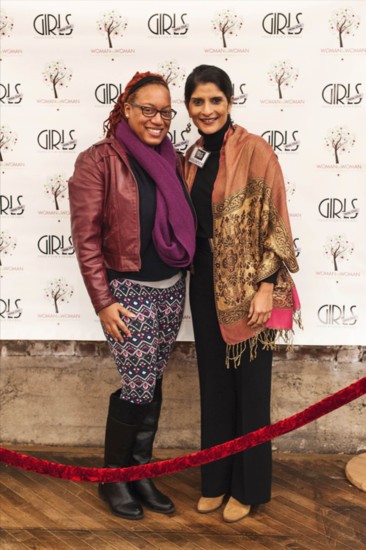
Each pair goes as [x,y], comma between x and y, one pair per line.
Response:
[142,357]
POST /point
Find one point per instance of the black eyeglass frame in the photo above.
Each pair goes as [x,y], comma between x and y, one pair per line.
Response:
[156,111]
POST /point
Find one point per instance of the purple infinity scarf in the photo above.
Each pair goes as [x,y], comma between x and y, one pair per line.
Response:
[174,228]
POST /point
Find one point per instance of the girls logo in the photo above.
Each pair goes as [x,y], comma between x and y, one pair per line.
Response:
[342,94]
[282,141]
[107,93]
[10,94]
[283,24]
[297,247]
[57,140]
[11,205]
[10,308]
[56,245]
[337,315]
[239,93]
[179,139]
[333,208]
[165,24]
[49,24]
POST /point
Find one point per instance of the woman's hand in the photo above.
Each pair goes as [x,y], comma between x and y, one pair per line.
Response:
[261,306]
[110,317]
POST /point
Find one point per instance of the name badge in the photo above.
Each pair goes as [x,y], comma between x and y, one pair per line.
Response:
[199,156]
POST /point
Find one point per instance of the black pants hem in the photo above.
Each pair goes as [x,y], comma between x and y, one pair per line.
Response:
[233,401]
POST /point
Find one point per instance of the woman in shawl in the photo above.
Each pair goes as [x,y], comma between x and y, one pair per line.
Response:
[242,296]
[133,229]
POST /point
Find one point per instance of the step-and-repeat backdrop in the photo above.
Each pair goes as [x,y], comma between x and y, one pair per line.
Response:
[298,70]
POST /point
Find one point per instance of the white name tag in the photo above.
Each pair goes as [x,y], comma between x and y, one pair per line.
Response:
[199,156]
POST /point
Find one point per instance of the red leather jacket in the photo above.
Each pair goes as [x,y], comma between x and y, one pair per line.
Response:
[105,224]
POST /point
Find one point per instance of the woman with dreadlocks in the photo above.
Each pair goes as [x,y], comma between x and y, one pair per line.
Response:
[133,229]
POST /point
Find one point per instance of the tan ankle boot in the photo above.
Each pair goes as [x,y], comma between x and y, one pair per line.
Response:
[235,510]
[206,505]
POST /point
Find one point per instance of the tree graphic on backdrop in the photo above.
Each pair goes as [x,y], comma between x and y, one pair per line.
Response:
[227,23]
[7,244]
[283,75]
[112,24]
[6,25]
[340,140]
[7,140]
[338,247]
[172,72]
[56,187]
[58,291]
[344,22]
[290,189]
[57,75]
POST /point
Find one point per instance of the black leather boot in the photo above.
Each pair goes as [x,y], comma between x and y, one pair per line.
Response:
[121,431]
[144,489]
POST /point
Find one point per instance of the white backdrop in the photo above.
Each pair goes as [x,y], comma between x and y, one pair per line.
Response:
[298,74]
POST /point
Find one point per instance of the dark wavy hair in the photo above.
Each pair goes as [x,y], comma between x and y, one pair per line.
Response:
[139,80]
[203,74]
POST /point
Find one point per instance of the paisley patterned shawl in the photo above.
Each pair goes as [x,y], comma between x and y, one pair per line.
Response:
[252,240]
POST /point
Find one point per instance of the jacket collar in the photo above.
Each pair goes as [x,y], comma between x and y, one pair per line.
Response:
[115,145]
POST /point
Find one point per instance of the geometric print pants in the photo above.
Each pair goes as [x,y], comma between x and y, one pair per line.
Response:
[142,357]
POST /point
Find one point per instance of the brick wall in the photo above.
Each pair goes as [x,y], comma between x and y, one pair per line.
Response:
[56,393]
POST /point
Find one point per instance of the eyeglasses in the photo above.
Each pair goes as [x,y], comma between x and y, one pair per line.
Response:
[150,112]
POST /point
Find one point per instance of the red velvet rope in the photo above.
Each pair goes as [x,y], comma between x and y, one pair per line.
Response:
[108,475]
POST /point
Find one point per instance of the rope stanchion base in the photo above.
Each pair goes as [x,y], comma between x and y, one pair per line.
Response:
[154,469]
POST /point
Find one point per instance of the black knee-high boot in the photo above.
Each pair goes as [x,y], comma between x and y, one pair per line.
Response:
[122,427]
[144,489]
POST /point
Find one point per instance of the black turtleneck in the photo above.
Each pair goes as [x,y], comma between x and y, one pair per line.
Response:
[205,179]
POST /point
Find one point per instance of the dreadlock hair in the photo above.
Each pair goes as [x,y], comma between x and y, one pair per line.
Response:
[138,81]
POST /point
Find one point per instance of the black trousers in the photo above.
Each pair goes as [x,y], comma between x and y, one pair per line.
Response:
[233,401]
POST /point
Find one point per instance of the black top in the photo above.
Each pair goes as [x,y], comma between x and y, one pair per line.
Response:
[201,193]
[152,266]
[204,182]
